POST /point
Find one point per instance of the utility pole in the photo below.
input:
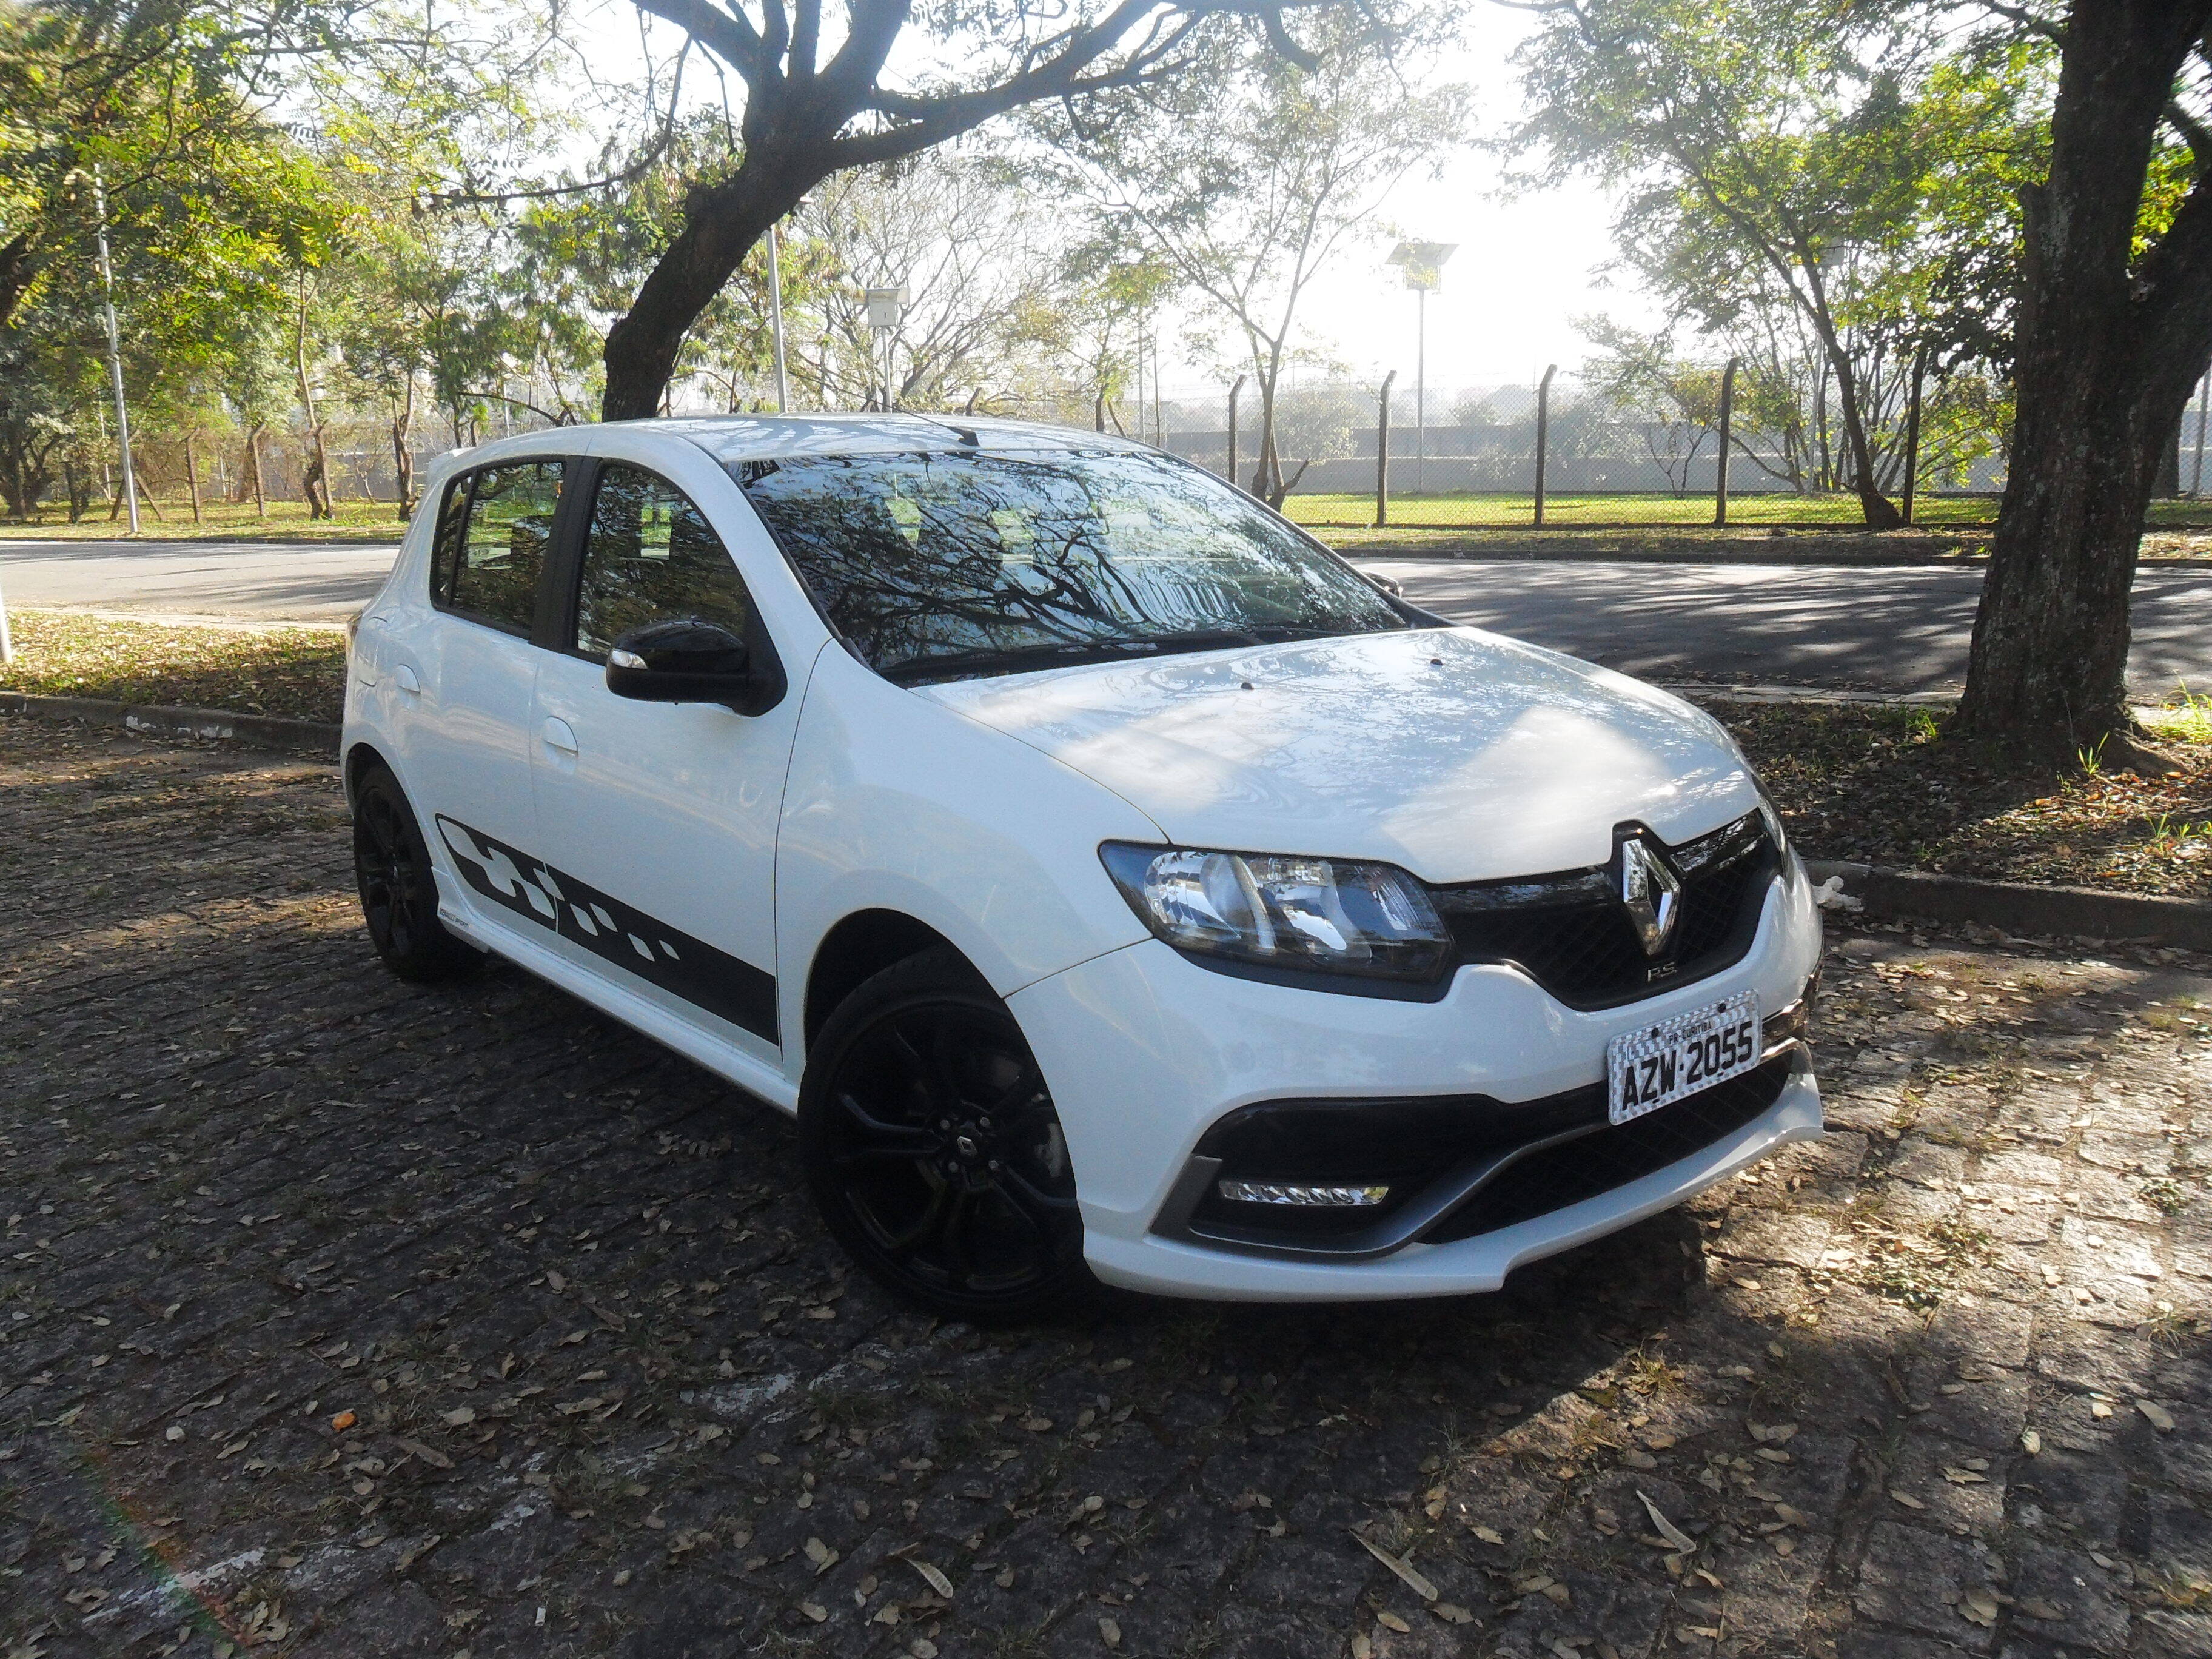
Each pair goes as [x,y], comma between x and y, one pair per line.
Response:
[115,351]
[1423,264]
[775,322]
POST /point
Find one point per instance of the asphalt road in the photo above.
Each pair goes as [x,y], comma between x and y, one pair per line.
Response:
[1902,629]
[1889,628]
[299,581]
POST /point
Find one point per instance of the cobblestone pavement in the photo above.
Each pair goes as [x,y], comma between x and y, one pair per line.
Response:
[338,1317]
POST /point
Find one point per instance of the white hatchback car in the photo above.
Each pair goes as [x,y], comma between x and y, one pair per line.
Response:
[1112,881]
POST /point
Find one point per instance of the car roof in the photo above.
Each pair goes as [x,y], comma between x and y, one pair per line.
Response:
[730,438]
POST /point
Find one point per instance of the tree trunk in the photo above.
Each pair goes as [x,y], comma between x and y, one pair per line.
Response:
[192,470]
[253,468]
[403,452]
[315,465]
[721,223]
[2108,346]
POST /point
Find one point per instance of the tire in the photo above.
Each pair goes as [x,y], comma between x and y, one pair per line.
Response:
[931,1146]
[399,887]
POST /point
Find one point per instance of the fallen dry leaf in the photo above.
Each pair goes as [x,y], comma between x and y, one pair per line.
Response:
[1362,1647]
[1489,1535]
[430,1454]
[1392,1621]
[815,1610]
[1420,1586]
[341,1423]
[2160,1418]
[1452,1613]
[1979,1606]
[934,1578]
[1109,1633]
[1666,1528]
[2030,1442]
[820,1555]
[2036,1608]
[460,1417]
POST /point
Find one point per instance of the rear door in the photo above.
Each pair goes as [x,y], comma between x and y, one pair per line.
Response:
[468,753]
[660,819]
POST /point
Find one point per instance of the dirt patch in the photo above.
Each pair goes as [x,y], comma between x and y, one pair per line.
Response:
[1886,785]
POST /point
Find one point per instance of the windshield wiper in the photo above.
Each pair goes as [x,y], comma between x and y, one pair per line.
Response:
[960,665]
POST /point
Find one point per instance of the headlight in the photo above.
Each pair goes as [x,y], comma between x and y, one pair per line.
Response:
[1772,815]
[1315,915]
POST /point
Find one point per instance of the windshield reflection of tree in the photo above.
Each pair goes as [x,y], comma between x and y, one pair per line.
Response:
[953,577]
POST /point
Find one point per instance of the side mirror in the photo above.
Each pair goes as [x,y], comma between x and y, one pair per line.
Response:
[684,660]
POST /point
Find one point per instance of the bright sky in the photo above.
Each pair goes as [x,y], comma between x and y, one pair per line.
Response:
[1524,270]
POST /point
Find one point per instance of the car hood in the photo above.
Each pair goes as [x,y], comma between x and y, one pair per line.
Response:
[1461,755]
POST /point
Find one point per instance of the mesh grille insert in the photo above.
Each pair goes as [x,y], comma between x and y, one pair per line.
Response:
[1613,1157]
[1570,932]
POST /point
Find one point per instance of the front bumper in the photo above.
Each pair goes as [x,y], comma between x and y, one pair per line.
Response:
[1145,1051]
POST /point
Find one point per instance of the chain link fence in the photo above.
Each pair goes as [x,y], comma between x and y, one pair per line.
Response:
[1472,458]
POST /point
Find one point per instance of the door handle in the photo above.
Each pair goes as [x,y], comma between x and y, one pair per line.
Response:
[557,735]
[403,677]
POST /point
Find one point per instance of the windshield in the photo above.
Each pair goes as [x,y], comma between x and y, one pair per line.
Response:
[944,566]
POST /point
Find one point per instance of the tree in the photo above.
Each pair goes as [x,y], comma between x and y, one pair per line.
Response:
[805,118]
[1843,167]
[1244,182]
[2115,326]
[979,264]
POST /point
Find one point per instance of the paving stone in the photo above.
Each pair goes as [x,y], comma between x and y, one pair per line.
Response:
[211,1041]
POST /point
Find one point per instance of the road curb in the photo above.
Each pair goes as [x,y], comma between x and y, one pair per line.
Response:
[2019,908]
[262,731]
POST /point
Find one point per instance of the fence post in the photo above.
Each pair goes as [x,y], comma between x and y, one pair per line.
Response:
[1912,433]
[1727,422]
[1382,452]
[1543,431]
[1233,391]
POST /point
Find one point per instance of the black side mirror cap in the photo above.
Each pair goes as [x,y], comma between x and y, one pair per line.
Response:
[687,659]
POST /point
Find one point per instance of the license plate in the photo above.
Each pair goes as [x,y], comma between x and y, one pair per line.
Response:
[1659,1065]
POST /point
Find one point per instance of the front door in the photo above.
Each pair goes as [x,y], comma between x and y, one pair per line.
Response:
[661,817]
[467,746]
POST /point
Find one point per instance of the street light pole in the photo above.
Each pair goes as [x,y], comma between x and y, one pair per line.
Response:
[886,308]
[1423,264]
[115,352]
[775,322]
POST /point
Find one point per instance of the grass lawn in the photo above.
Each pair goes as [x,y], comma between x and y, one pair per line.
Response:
[1517,510]
[295,672]
[286,521]
[1875,786]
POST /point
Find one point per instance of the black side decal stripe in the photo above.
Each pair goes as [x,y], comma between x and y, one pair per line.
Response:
[614,931]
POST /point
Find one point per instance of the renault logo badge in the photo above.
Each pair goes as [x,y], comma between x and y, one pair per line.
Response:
[1651,894]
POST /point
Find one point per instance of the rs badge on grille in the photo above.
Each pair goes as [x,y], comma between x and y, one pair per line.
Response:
[1651,894]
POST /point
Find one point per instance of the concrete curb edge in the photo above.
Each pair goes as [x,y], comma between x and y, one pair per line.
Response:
[262,731]
[2018,907]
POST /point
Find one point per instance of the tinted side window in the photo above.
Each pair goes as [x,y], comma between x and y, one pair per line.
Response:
[446,548]
[502,549]
[652,556]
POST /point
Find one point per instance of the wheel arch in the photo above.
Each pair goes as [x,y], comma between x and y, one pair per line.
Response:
[858,947]
[358,760]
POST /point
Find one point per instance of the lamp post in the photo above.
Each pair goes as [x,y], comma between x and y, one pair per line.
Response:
[886,311]
[775,322]
[115,353]
[1423,264]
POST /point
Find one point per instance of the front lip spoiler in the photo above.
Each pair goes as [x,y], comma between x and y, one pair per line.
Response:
[1401,1229]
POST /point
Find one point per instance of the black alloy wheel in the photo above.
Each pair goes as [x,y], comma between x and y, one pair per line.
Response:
[932,1149]
[398,889]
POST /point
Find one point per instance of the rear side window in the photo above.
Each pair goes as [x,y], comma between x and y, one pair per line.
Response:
[493,533]
[651,556]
